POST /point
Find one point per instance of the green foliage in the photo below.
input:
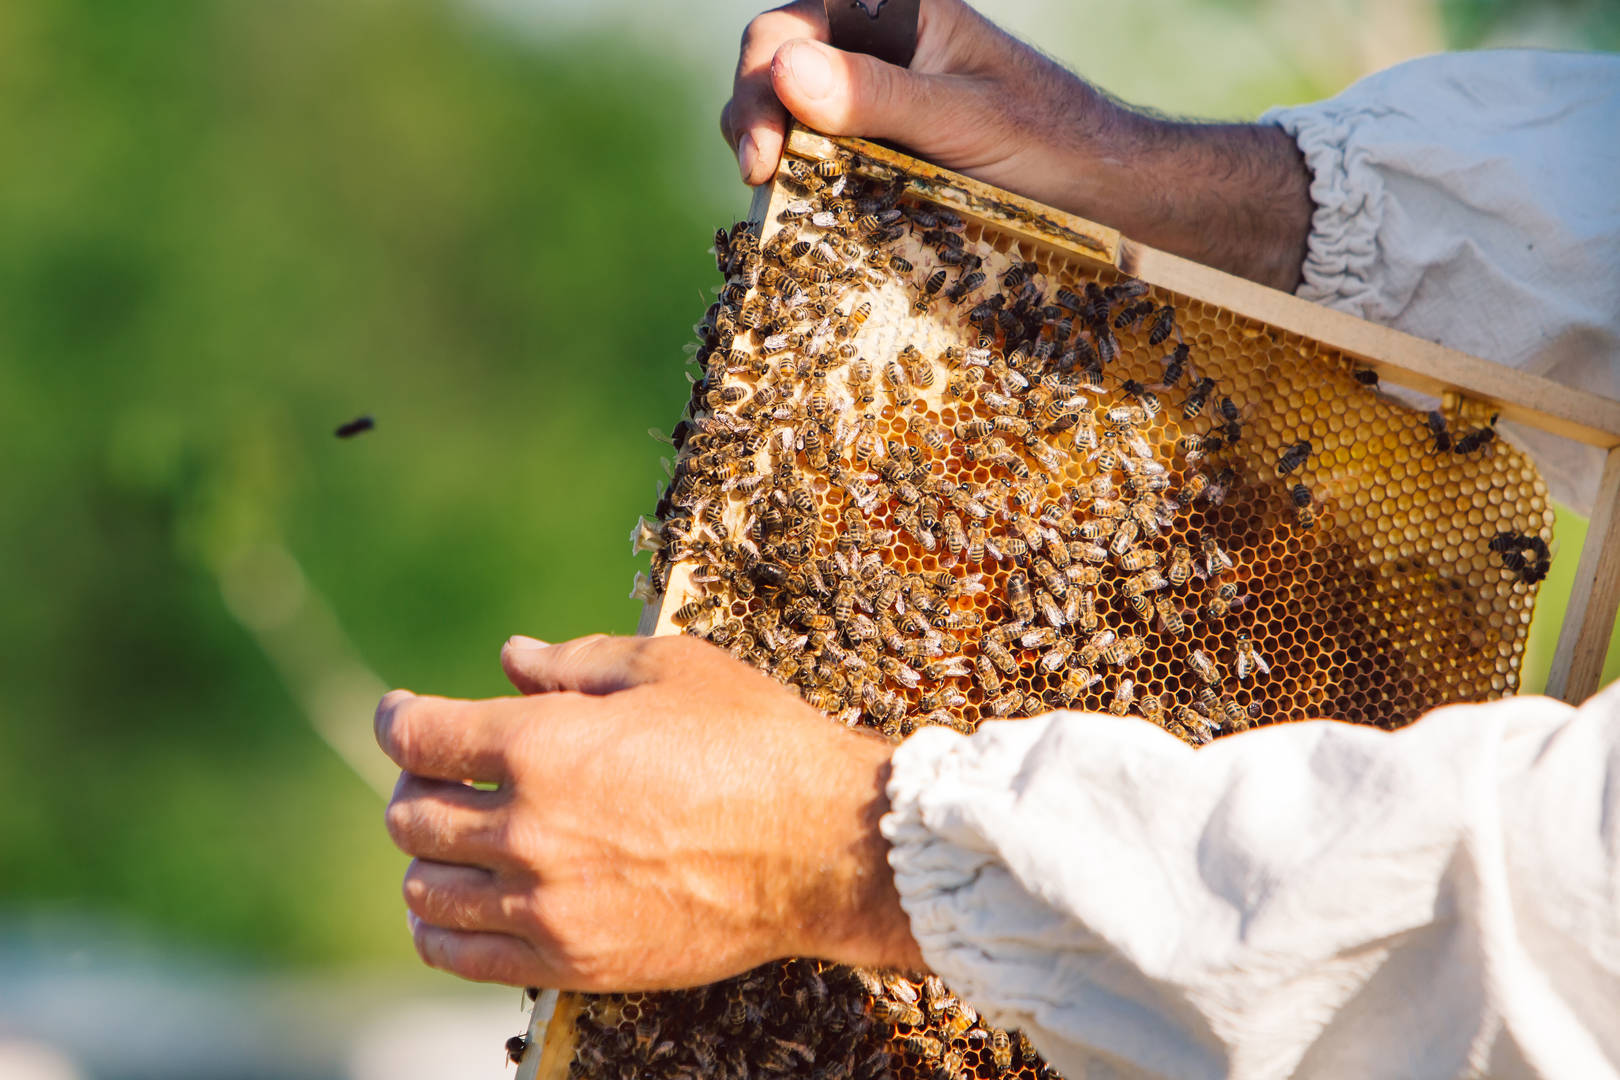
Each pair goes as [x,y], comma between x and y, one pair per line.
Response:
[228,228]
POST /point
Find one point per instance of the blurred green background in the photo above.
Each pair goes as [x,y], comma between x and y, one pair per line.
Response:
[227,226]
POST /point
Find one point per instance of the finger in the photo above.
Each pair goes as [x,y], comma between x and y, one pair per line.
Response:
[755,123]
[448,738]
[480,956]
[448,822]
[597,664]
[845,93]
[455,897]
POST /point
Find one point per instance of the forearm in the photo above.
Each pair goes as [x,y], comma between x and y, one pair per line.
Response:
[1232,196]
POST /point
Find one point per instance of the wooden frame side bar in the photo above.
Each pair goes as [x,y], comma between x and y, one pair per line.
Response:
[1583,642]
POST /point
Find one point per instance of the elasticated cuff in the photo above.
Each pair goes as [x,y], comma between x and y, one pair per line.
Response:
[1342,253]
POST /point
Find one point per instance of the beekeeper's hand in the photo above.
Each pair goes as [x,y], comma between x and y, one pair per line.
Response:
[663,816]
[979,101]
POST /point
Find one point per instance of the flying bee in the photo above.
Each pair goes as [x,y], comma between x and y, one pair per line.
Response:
[1304,513]
[1203,667]
[1249,658]
[1124,696]
[1293,456]
[1437,428]
[1215,560]
[1018,597]
[1197,398]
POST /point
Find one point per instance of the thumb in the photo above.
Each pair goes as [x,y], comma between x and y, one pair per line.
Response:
[597,664]
[843,93]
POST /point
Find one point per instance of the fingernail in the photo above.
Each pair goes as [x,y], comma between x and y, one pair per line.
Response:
[747,157]
[519,641]
[810,70]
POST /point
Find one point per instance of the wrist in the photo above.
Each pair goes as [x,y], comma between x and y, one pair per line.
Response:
[845,906]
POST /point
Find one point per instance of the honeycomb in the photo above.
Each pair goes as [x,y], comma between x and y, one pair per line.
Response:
[935,473]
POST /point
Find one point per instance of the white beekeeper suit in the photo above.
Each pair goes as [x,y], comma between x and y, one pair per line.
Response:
[1317,899]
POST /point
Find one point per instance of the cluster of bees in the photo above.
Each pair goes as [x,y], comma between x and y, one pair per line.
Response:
[925,478]
[797,1018]
[1073,519]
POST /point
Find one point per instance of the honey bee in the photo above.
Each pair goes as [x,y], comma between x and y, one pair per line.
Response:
[1148,400]
[1085,617]
[1304,513]
[1126,533]
[1249,658]
[1215,560]
[1161,325]
[1076,681]
[890,1011]
[1236,717]
[1437,429]
[1170,617]
[1136,559]
[1293,456]
[999,655]
[925,1046]
[1196,726]
[1122,651]
[1124,696]
[1197,398]
[1051,611]
[1203,667]
[1478,439]
[1018,597]
[989,678]
[1222,602]
[1181,564]
[1007,703]
[1175,365]
[1057,653]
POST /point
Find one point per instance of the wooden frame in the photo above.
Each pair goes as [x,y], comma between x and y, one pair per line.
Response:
[1398,358]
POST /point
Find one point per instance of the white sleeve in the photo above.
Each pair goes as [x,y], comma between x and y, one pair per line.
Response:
[1473,199]
[1310,900]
